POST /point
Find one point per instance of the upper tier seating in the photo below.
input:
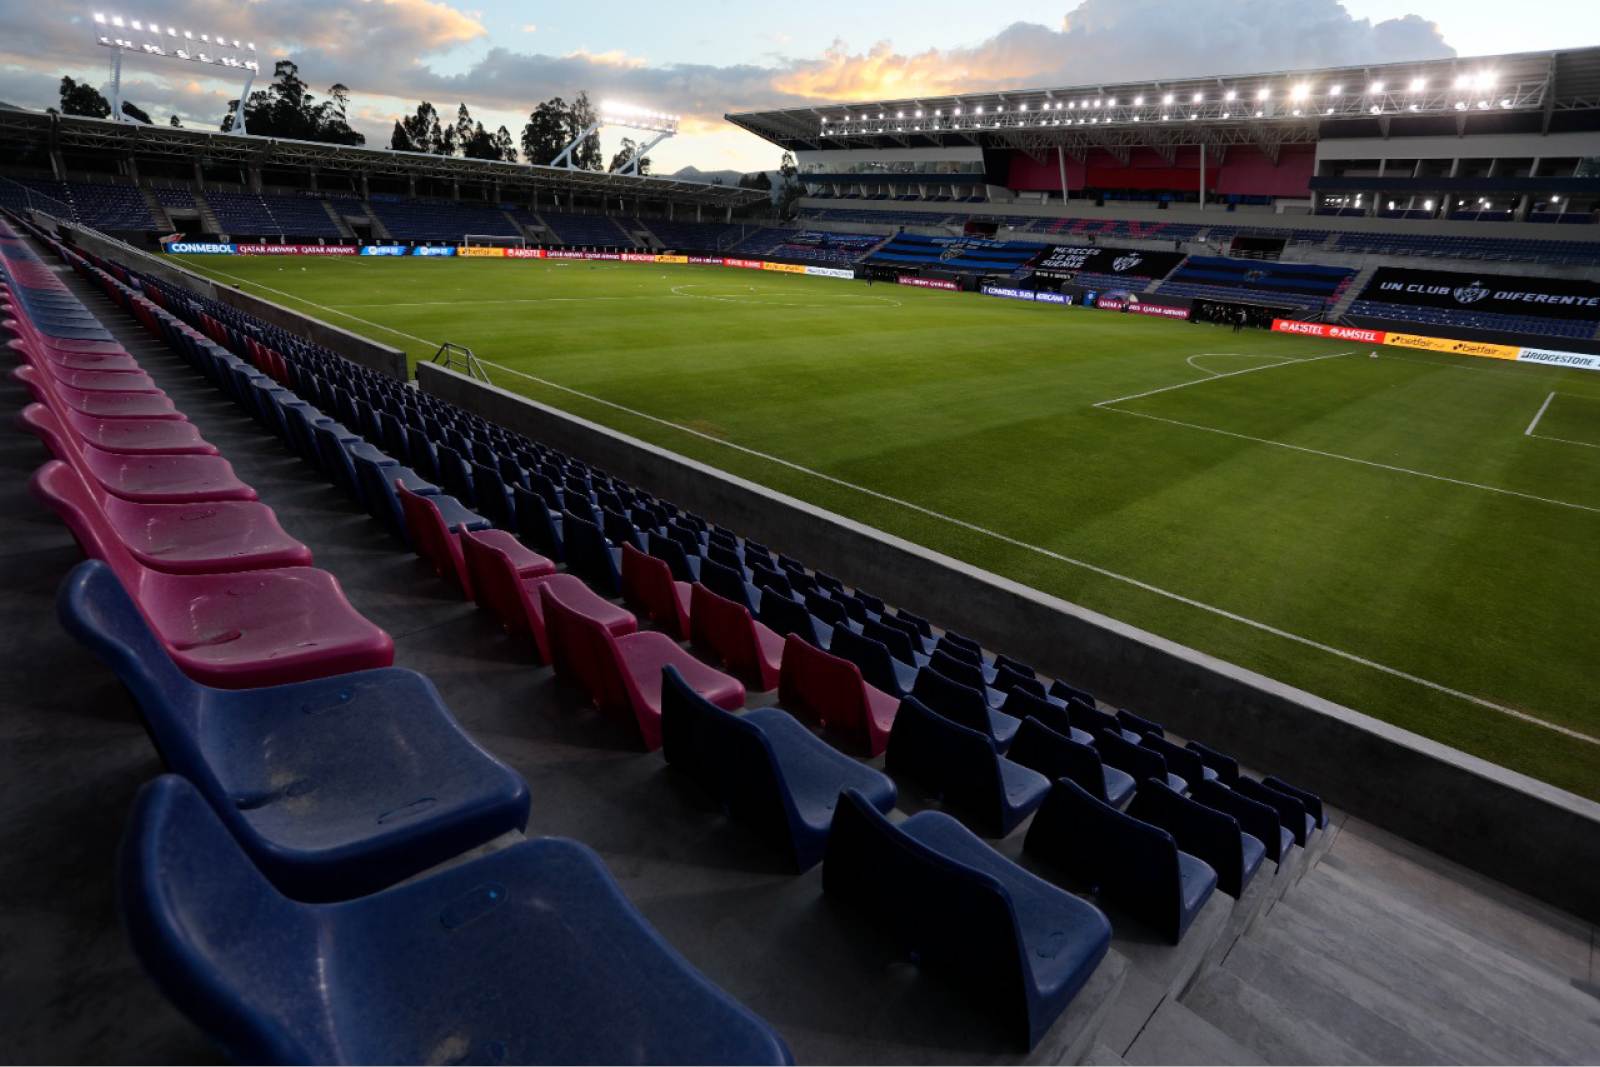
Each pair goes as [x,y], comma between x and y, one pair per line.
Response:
[440,220]
[703,236]
[1301,285]
[526,955]
[587,230]
[1450,318]
[242,215]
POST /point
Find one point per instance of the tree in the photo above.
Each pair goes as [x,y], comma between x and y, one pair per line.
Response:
[756,180]
[582,115]
[625,153]
[422,130]
[286,109]
[504,146]
[545,134]
[172,120]
[137,113]
[790,189]
[83,99]
[399,140]
[464,130]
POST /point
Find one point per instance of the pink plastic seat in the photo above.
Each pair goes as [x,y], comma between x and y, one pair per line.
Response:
[173,437]
[230,535]
[103,404]
[830,691]
[513,599]
[237,630]
[726,633]
[148,479]
[621,676]
[432,539]
[648,585]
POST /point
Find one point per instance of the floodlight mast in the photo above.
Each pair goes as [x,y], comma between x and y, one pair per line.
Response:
[169,42]
[628,117]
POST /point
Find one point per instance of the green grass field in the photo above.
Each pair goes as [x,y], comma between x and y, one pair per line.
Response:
[1384,532]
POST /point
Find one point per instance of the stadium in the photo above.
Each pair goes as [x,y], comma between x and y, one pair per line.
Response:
[1095,573]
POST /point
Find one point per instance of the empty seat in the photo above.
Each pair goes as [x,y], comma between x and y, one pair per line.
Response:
[729,582]
[589,555]
[1024,705]
[1057,755]
[1258,820]
[434,536]
[1291,811]
[1207,833]
[880,669]
[205,538]
[648,585]
[1020,946]
[726,633]
[962,767]
[621,676]
[765,768]
[785,616]
[147,479]
[964,705]
[1184,762]
[1071,693]
[529,954]
[1227,767]
[320,781]
[233,630]
[1092,720]
[1138,724]
[1131,863]
[829,691]
[1312,802]
[1141,762]
[685,567]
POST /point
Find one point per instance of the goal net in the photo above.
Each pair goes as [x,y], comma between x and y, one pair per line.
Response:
[492,240]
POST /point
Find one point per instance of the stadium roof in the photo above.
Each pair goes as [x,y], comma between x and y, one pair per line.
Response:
[73,132]
[1468,94]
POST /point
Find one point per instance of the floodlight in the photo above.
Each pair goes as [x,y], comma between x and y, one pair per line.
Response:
[957,111]
[1335,90]
[1506,102]
[1463,81]
[1227,114]
[1194,115]
[1300,92]
[1376,110]
[1196,98]
[1164,118]
[919,112]
[1138,101]
[1097,103]
[1020,107]
[1231,94]
[1418,84]
[1486,79]
[1263,93]
[1555,200]
[1391,205]
[1167,99]
[101,19]
[978,110]
[1427,205]
[1375,88]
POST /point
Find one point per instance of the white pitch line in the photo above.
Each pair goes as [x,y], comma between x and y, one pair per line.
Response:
[1539,414]
[1563,440]
[1214,377]
[322,307]
[1357,460]
[1393,672]
[1061,558]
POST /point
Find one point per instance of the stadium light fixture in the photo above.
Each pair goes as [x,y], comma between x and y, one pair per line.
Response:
[956,111]
[1227,114]
[1196,98]
[1300,92]
[1138,101]
[169,42]
[1168,99]
[1263,93]
[1427,205]
[1418,84]
[1335,90]
[1463,81]
[1165,118]
[1231,95]
[1506,102]
[1486,79]
[978,110]
[1375,88]
[1376,109]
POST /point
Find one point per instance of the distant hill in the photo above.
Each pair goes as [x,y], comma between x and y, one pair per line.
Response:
[695,174]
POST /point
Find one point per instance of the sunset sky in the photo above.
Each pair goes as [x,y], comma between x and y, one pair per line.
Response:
[702,60]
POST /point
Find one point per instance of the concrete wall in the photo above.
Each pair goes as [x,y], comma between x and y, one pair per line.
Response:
[368,353]
[1532,836]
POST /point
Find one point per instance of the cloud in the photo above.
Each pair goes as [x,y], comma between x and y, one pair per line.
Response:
[394,52]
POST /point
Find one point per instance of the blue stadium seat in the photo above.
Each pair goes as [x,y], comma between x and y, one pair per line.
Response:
[336,787]
[1258,820]
[764,768]
[1291,811]
[1020,946]
[1211,835]
[590,556]
[1057,755]
[878,667]
[1312,802]
[527,955]
[962,767]
[1126,861]
[786,615]
[965,705]
[1143,763]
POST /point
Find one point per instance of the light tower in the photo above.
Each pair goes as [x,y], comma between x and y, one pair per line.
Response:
[628,117]
[169,42]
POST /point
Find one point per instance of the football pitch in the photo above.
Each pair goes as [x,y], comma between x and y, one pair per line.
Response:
[1416,536]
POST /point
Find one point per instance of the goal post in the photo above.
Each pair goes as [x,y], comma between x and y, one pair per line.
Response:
[492,240]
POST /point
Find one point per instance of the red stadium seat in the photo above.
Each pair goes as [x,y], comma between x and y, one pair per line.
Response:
[725,631]
[513,598]
[648,585]
[103,404]
[147,479]
[621,676]
[829,690]
[237,630]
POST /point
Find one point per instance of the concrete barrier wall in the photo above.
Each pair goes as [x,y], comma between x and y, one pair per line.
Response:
[368,353]
[1529,835]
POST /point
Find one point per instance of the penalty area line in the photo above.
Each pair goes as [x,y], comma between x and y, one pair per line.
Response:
[1059,557]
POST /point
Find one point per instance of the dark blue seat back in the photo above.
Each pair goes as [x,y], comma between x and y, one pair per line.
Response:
[827,609]
[726,582]
[957,702]
[1291,812]
[1255,818]
[588,555]
[1227,767]
[871,656]
[1056,755]
[668,550]
[952,762]
[1124,755]
[961,670]
[896,641]
[1212,835]
[784,616]
[535,526]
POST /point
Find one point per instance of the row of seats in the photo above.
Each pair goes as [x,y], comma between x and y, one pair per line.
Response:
[944,714]
[1453,318]
[291,793]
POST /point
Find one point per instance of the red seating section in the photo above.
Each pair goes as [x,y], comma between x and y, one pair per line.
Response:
[648,585]
[830,691]
[726,632]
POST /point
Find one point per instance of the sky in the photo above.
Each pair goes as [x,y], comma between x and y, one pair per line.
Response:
[704,59]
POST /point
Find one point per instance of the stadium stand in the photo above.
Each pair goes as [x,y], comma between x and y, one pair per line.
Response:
[242,214]
[1301,285]
[440,220]
[809,246]
[586,230]
[706,236]
[1448,320]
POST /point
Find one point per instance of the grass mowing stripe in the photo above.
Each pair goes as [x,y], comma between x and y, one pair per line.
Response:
[1059,557]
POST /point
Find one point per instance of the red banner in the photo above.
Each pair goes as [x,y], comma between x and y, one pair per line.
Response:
[298,250]
[525,253]
[747,264]
[1322,329]
[557,253]
[638,257]
[927,283]
[711,261]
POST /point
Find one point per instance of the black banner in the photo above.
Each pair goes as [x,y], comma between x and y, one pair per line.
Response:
[1502,294]
[1062,261]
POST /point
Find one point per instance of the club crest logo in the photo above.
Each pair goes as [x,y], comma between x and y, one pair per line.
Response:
[1128,262]
[1255,275]
[1470,294]
[955,251]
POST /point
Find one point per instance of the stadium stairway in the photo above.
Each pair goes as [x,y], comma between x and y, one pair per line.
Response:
[1350,293]
[208,217]
[767,937]
[339,222]
[158,210]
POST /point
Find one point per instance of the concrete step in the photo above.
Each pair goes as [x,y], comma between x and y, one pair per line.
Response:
[1175,1034]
